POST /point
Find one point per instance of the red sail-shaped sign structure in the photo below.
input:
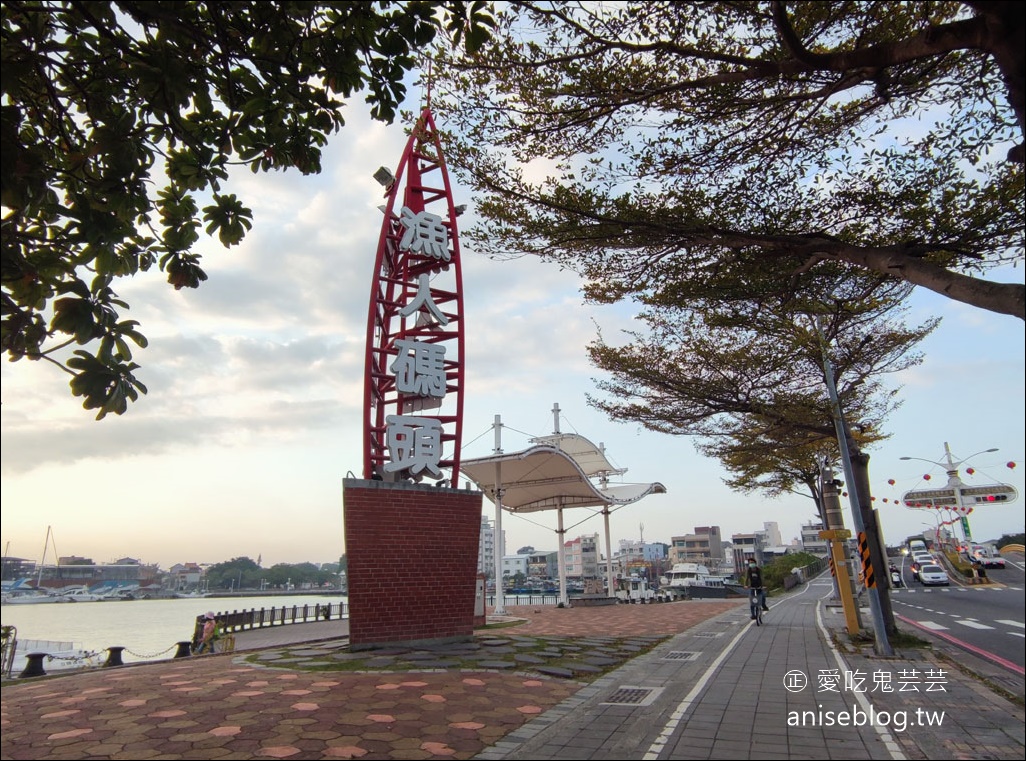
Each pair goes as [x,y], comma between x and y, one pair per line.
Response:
[413,388]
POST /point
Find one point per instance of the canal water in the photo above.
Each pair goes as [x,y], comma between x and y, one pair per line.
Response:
[148,629]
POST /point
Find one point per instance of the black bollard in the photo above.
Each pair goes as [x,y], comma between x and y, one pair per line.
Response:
[184,650]
[114,657]
[33,666]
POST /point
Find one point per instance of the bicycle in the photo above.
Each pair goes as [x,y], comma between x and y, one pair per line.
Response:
[756,601]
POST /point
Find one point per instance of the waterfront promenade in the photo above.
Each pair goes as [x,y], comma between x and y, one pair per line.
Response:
[670,681]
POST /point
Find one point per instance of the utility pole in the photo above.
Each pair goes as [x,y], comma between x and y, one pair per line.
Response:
[865,522]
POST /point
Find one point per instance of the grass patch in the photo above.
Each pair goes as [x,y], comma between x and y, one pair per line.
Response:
[907,639]
[501,625]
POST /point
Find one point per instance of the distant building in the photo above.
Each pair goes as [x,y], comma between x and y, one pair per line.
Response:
[486,549]
[745,547]
[770,534]
[703,546]
[543,565]
[125,572]
[645,559]
[581,557]
[514,564]
[811,542]
[185,576]
[16,568]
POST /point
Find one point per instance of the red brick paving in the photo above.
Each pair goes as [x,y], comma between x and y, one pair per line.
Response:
[216,708]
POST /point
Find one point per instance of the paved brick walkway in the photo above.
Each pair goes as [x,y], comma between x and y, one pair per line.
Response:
[714,686]
[222,707]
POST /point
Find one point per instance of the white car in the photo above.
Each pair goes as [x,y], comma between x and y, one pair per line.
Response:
[933,576]
[919,560]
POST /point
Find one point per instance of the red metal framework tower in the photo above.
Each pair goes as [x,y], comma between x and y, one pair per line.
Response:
[415,319]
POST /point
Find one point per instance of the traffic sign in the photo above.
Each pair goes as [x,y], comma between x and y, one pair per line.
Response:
[970,495]
[836,534]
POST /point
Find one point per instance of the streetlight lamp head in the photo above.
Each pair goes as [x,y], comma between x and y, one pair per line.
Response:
[384,177]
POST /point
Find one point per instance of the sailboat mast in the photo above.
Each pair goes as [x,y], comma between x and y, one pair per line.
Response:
[46,544]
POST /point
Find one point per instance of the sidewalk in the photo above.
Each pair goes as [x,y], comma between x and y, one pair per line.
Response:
[713,686]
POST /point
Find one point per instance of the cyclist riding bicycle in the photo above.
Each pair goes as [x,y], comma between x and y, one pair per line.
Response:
[753,581]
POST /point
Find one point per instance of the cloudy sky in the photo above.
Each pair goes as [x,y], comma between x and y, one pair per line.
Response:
[255,384]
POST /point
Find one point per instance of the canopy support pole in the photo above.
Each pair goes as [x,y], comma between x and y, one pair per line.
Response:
[500,545]
[561,557]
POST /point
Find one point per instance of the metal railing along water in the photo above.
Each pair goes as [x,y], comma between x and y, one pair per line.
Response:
[525,599]
[244,620]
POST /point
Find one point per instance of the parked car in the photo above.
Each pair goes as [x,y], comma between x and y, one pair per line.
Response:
[933,576]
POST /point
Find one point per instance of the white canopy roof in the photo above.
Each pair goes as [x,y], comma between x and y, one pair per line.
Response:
[556,472]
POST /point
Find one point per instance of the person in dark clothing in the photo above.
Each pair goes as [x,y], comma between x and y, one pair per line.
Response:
[753,581]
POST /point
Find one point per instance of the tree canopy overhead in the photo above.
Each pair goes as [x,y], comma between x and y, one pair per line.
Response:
[748,378]
[664,148]
[100,98]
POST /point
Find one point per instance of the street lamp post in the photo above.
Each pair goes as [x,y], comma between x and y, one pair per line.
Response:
[955,483]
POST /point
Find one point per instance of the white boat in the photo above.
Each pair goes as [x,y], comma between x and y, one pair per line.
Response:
[693,580]
[635,589]
[80,594]
[29,597]
[60,656]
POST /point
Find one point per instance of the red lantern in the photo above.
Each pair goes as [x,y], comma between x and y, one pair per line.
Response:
[926,477]
[970,471]
[1010,465]
[890,481]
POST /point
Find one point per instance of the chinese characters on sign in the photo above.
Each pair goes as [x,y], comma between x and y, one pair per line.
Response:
[415,443]
[425,234]
[834,680]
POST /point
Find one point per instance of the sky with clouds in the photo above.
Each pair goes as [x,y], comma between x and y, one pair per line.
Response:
[255,381]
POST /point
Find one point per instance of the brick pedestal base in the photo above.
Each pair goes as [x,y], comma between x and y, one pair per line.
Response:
[411,554]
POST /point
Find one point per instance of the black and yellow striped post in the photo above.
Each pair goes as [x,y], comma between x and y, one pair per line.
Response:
[867,562]
[838,538]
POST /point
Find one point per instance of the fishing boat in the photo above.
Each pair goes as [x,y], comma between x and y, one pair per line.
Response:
[688,580]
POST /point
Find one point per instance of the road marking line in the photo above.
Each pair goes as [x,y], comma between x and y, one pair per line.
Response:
[972,624]
[931,625]
[1006,622]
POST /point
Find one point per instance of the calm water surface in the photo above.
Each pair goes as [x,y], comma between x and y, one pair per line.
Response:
[149,629]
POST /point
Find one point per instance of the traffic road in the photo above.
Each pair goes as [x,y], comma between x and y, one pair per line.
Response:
[986,619]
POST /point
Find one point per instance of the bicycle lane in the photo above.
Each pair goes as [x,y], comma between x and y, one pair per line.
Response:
[779,692]
[715,691]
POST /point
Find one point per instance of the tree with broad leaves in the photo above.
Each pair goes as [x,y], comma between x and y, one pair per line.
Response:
[100,98]
[674,147]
